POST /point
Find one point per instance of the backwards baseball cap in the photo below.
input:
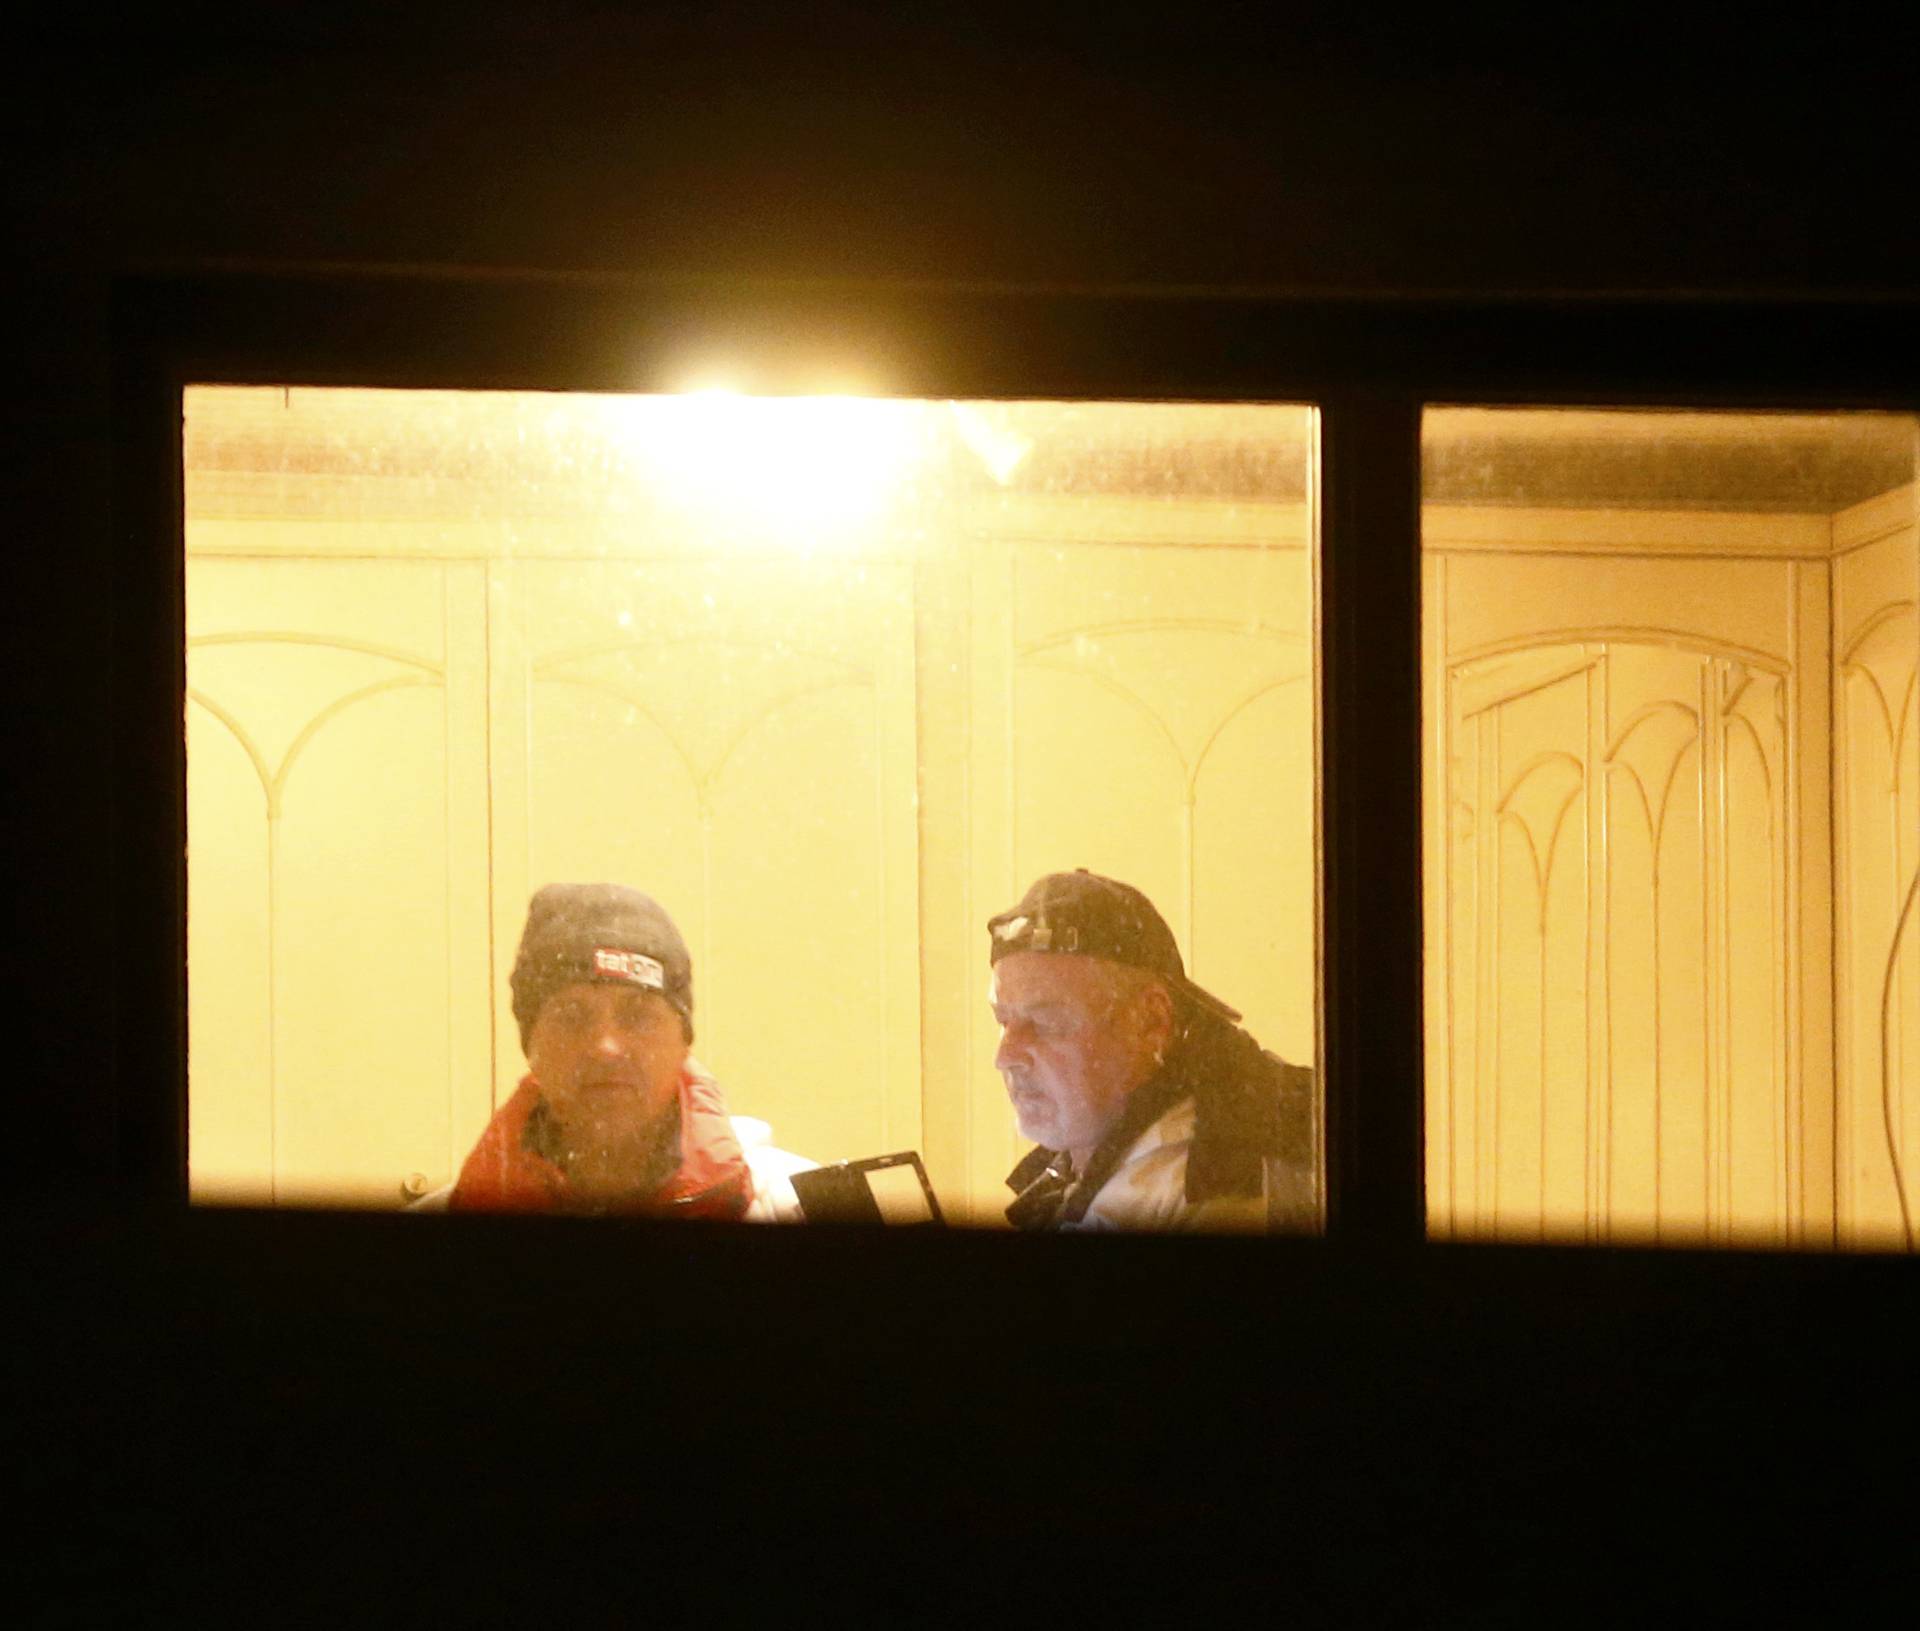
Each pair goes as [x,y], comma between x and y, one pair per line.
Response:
[1080,911]
[598,931]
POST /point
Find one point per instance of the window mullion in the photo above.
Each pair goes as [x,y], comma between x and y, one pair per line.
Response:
[1369,643]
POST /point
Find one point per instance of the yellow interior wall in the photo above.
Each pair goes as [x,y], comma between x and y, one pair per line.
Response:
[747,758]
[1877,781]
[1672,775]
[831,756]
[1666,807]
[337,926]
[1146,711]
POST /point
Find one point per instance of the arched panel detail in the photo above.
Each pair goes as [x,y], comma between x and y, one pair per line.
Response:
[1638,726]
[1871,681]
[1132,698]
[1902,730]
[333,711]
[1540,770]
[1627,1052]
[547,666]
[1233,713]
[280,637]
[247,744]
[640,708]
[1892,612]
[1741,729]
[766,716]
[1672,639]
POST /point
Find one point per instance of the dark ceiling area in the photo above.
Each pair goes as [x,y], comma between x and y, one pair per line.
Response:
[1752,463]
[1792,464]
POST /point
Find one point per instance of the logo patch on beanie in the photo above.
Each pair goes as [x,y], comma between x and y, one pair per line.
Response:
[635,967]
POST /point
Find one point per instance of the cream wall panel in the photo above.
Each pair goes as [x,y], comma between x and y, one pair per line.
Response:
[952,917]
[1630,1013]
[509,811]
[1870,583]
[1146,712]
[471,1046]
[992,860]
[367,909]
[229,964]
[1884,515]
[360,954]
[1459,528]
[1530,599]
[1254,876]
[736,739]
[1100,786]
[1750,1112]
[1877,785]
[1615,931]
[1437,821]
[426,519]
[1540,1016]
[1684,1001]
[814,994]
[1209,652]
[330,535]
[1812,1034]
[1551,801]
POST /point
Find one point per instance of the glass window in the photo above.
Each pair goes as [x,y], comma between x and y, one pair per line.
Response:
[1672,823]
[833,680]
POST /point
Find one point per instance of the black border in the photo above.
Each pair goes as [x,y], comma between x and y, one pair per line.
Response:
[1370,364]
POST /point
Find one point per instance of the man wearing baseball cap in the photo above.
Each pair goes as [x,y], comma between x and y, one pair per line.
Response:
[613,1115]
[1150,1106]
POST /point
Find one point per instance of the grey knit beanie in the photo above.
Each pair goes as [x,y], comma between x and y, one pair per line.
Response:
[598,931]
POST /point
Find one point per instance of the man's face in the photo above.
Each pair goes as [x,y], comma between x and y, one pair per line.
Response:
[608,1058]
[1075,1042]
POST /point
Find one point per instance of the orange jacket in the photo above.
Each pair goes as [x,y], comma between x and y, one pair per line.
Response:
[712,1180]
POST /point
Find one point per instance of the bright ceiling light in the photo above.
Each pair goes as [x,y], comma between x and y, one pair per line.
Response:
[803,468]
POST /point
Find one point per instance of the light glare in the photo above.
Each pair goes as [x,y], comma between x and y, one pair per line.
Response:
[802,468]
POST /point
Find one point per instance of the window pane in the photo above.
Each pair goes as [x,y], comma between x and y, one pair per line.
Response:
[1671,826]
[833,680]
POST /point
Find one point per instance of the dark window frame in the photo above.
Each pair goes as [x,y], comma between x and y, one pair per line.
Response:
[1369,365]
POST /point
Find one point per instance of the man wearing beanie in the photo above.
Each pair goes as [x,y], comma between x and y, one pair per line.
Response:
[1150,1106]
[613,1114]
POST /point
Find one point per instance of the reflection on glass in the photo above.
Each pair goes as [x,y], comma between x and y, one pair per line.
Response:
[832,680]
[1672,823]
